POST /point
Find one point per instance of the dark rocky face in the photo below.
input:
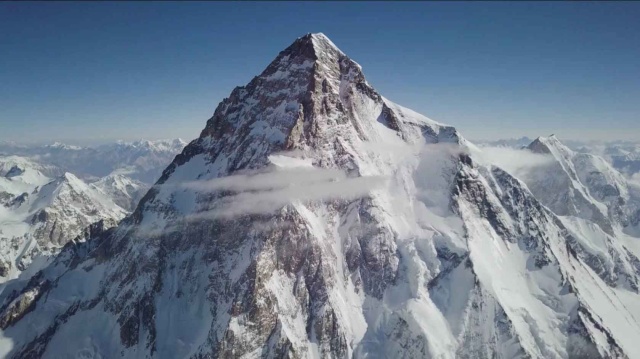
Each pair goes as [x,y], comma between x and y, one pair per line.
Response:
[14,171]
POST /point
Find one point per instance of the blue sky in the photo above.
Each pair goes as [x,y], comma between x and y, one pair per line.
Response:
[99,71]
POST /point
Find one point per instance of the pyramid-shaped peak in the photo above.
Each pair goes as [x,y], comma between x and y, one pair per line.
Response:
[545,144]
[313,47]
[321,42]
[550,140]
[317,42]
[318,36]
[70,179]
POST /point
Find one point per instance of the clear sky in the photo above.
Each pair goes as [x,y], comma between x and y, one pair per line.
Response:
[99,71]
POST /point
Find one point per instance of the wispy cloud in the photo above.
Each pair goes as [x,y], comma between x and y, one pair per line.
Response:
[515,161]
[265,192]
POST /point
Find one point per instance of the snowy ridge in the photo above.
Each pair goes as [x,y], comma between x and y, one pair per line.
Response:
[38,214]
[358,229]
[43,206]
[122,190]
[593,189]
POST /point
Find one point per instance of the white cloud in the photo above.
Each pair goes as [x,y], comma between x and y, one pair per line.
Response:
[434,175]
[265,192]
[395,152]
[515,161]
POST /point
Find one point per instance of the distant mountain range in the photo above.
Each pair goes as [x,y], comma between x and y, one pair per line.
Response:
[51,195]
[622,155]
[140,160]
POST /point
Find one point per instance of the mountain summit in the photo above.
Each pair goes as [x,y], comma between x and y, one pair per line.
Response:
[315,218]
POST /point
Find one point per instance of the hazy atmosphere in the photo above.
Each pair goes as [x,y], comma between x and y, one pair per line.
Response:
[95,72]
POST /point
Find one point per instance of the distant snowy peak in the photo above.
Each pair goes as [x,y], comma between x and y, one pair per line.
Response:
[591,170]
[582,184]
[21,169]
[44,214]
[142,160]
[62,146]
[550,144]
[124,191]
[153,145]
[75,203]
[69,190]
[19,177]
[625,157]
[510,142]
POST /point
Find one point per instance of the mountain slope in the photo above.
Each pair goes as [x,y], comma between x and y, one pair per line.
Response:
[40,214]
[122,190]
[315,218]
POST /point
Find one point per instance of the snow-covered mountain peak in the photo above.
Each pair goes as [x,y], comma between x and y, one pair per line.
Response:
[315,46]
[549,144]
[311,98]
[321,38]
[64,146]
[582,185]
[124,191]
[68,191]
[40,214]
[18,174]
[71,178]
[315,218]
